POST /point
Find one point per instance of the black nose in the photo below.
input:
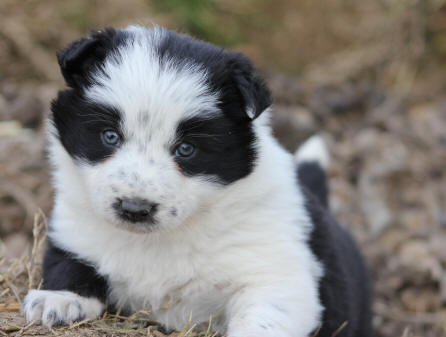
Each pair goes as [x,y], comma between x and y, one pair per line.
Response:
[135,209]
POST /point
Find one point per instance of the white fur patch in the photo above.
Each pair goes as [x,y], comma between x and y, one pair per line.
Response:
[314,149]
[59,307]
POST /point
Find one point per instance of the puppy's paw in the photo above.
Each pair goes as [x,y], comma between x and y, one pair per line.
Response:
[59,307]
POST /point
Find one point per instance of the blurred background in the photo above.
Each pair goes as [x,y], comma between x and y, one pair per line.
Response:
[370,75]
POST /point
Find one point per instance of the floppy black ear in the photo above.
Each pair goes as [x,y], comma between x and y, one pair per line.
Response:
[84,55]
[253,90]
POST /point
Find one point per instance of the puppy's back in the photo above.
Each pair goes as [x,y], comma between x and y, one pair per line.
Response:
[345,290]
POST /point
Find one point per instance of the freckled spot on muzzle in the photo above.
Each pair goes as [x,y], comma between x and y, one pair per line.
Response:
[173,211]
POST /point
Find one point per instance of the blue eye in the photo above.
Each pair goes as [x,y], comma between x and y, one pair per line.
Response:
[111,138]
[184,150]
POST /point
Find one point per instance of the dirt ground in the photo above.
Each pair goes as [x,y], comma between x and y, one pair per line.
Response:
[378,98]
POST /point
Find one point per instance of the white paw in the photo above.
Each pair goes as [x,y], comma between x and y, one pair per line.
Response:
[52,307]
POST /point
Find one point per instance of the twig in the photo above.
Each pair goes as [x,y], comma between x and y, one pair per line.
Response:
[78,324]
[209,326]
[338,330]
[39,230]
[26,327]
[4,292]
[190,330]
[316,332]
[10,307]
[13,289]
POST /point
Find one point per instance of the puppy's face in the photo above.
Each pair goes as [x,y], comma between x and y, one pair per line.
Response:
[155,123]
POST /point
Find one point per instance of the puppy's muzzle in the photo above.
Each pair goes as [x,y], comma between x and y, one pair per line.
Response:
[135,209]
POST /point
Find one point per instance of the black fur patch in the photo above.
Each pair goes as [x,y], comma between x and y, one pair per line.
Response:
[230,74]
[85,55]
[61,271]
[312,176]
[344,289]
[80,124]
[223,147]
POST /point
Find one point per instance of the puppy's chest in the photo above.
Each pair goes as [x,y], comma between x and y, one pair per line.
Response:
[173,286]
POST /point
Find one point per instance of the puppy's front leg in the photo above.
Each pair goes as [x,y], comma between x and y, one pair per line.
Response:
[73,291]
[274,312]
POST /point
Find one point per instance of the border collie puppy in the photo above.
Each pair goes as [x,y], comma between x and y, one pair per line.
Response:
[171,195]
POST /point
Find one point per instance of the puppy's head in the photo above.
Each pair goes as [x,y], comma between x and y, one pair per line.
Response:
[155,123]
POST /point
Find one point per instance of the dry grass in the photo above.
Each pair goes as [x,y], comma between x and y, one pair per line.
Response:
[18,275]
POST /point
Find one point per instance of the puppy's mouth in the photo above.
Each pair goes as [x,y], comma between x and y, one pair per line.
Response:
[149,221]
[148,226]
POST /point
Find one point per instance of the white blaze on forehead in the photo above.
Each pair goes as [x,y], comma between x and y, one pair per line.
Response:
[152,94]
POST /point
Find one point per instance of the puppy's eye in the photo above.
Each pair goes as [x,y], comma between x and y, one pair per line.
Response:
[184,150]
[111,138]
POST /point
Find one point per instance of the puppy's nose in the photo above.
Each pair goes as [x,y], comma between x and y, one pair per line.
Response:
[135,209]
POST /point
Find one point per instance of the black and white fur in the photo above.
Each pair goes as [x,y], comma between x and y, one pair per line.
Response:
[239,230]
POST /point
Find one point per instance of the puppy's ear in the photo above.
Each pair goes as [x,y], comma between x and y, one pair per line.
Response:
[85,55]
[252,89]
